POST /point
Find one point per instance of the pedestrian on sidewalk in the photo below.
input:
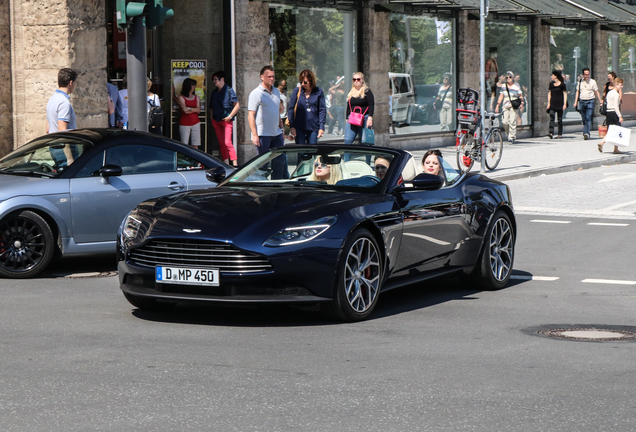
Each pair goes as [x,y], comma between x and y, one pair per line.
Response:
[223,106]
[264,108]
[511,99]
[609,85]
[557,101]
[189,123]
[586,89]
[60,116]
[123,96]
[360,96]
[116,116]
[155,113]
[614,116]
[444,101]
[307,111]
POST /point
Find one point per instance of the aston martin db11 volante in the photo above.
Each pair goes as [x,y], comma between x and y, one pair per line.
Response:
[66,193]
[323,224]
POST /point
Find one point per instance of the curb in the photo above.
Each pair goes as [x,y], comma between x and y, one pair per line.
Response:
[616,160]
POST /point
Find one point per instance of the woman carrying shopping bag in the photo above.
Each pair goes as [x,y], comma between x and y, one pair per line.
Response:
[360,105]
[613,115]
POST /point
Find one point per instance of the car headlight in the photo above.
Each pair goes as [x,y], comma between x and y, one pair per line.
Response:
[131,225]
[300,234]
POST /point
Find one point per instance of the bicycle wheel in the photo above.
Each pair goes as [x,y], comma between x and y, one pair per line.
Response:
[464,149]
[493,150]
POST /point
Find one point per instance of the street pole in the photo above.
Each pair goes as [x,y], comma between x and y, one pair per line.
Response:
[136,75]
[483,13]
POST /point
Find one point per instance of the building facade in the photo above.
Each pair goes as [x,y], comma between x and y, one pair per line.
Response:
[405,49]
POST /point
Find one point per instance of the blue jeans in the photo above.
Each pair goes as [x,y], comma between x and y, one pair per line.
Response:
[306,136]
[280,169]
[586,108]
[351,131]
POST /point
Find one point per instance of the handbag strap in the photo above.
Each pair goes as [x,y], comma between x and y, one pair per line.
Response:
[296,105]
[446,92]
[360,108]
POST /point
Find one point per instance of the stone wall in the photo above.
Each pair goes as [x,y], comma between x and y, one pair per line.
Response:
[48,36]
[6,104]
[540,70]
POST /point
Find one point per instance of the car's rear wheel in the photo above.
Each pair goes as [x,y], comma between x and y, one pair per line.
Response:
[26,245]
[358,280]
[146,303]
[495,265]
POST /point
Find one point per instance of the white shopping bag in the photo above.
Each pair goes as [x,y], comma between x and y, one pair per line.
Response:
[617,135]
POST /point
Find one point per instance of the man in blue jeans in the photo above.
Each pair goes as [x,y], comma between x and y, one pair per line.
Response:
[586,89]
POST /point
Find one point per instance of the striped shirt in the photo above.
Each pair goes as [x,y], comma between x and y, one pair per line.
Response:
[448,100]
[515,93]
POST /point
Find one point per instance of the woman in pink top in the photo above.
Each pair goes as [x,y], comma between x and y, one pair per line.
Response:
[189,124]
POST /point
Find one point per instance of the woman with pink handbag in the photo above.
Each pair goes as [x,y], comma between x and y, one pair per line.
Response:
[360,104]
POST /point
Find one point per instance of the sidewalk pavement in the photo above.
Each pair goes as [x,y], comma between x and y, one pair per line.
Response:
[531,157]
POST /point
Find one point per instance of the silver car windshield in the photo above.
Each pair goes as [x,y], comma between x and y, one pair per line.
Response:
[334,168]
[45,157]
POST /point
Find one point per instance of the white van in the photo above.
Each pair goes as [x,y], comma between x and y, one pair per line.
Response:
[402,98]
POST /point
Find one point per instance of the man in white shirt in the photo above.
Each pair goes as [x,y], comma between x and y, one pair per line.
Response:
[510,92]
[586,89]
[60,115]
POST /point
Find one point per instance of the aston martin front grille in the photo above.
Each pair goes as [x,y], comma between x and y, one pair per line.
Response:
[179,253]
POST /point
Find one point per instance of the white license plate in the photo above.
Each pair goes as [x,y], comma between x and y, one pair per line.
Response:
[187,276]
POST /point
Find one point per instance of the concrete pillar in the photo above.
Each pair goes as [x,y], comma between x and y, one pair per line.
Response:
[540,70]
[6,104]
[599,64]
[376,62]
[45,39]
[252,53]
[468,51]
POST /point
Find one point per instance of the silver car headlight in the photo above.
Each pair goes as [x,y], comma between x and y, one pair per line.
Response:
[131,225]
[301,234]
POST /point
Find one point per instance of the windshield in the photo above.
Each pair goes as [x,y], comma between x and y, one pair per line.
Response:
[47,157]
[321,167]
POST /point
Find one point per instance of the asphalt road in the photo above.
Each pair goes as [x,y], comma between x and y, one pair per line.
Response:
[76,356]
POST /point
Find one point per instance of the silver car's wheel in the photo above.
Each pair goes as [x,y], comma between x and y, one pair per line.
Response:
[359,279]
[26,245]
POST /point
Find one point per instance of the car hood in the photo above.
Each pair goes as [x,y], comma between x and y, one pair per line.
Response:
[17,185]
[229,212]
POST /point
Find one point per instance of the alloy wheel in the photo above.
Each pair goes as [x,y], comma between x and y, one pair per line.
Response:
[501,249]
[362,275]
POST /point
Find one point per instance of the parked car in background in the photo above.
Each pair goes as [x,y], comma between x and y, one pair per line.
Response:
[66,193]
[330,231]
[402,98]
[425,95]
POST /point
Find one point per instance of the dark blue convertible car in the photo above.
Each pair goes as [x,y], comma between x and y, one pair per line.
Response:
[317,224]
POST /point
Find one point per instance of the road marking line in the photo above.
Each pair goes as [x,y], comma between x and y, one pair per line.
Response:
[551,221]
[536,278]
[607,224]
[609,281]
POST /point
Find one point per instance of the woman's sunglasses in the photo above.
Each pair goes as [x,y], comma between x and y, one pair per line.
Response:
[380,167]
[357,79]
[320,165]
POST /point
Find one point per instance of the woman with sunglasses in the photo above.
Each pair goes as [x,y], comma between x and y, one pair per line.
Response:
[307,111]
[330,174]
[360,97]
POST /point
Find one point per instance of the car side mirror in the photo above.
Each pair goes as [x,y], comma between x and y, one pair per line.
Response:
[110,171]
[426,181]
[215,175]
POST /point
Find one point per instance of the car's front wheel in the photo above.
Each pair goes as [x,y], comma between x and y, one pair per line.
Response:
[26,245]
[358,280]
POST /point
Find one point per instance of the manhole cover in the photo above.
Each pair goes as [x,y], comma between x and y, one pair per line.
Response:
[590,333]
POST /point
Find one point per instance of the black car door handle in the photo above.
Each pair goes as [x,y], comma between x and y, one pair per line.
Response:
[175,185]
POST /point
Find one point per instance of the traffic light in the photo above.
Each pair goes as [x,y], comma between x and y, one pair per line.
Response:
[127,10]
[157,13]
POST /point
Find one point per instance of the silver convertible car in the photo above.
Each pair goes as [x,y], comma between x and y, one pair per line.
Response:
[67,193]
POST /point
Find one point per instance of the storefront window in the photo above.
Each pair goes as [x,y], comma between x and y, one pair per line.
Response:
[321,40]
[422,69]
[508,50]
[570,53]
[623,61]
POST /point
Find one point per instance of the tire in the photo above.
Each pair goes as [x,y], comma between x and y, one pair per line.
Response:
[493,150]
[146,303]
[26,245]
[358,280]
[497,256]
[464,149]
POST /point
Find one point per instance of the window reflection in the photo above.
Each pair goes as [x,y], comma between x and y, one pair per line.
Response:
[421,101]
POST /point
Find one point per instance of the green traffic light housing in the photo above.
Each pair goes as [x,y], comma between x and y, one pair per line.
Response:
[127,10]
[157,12]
